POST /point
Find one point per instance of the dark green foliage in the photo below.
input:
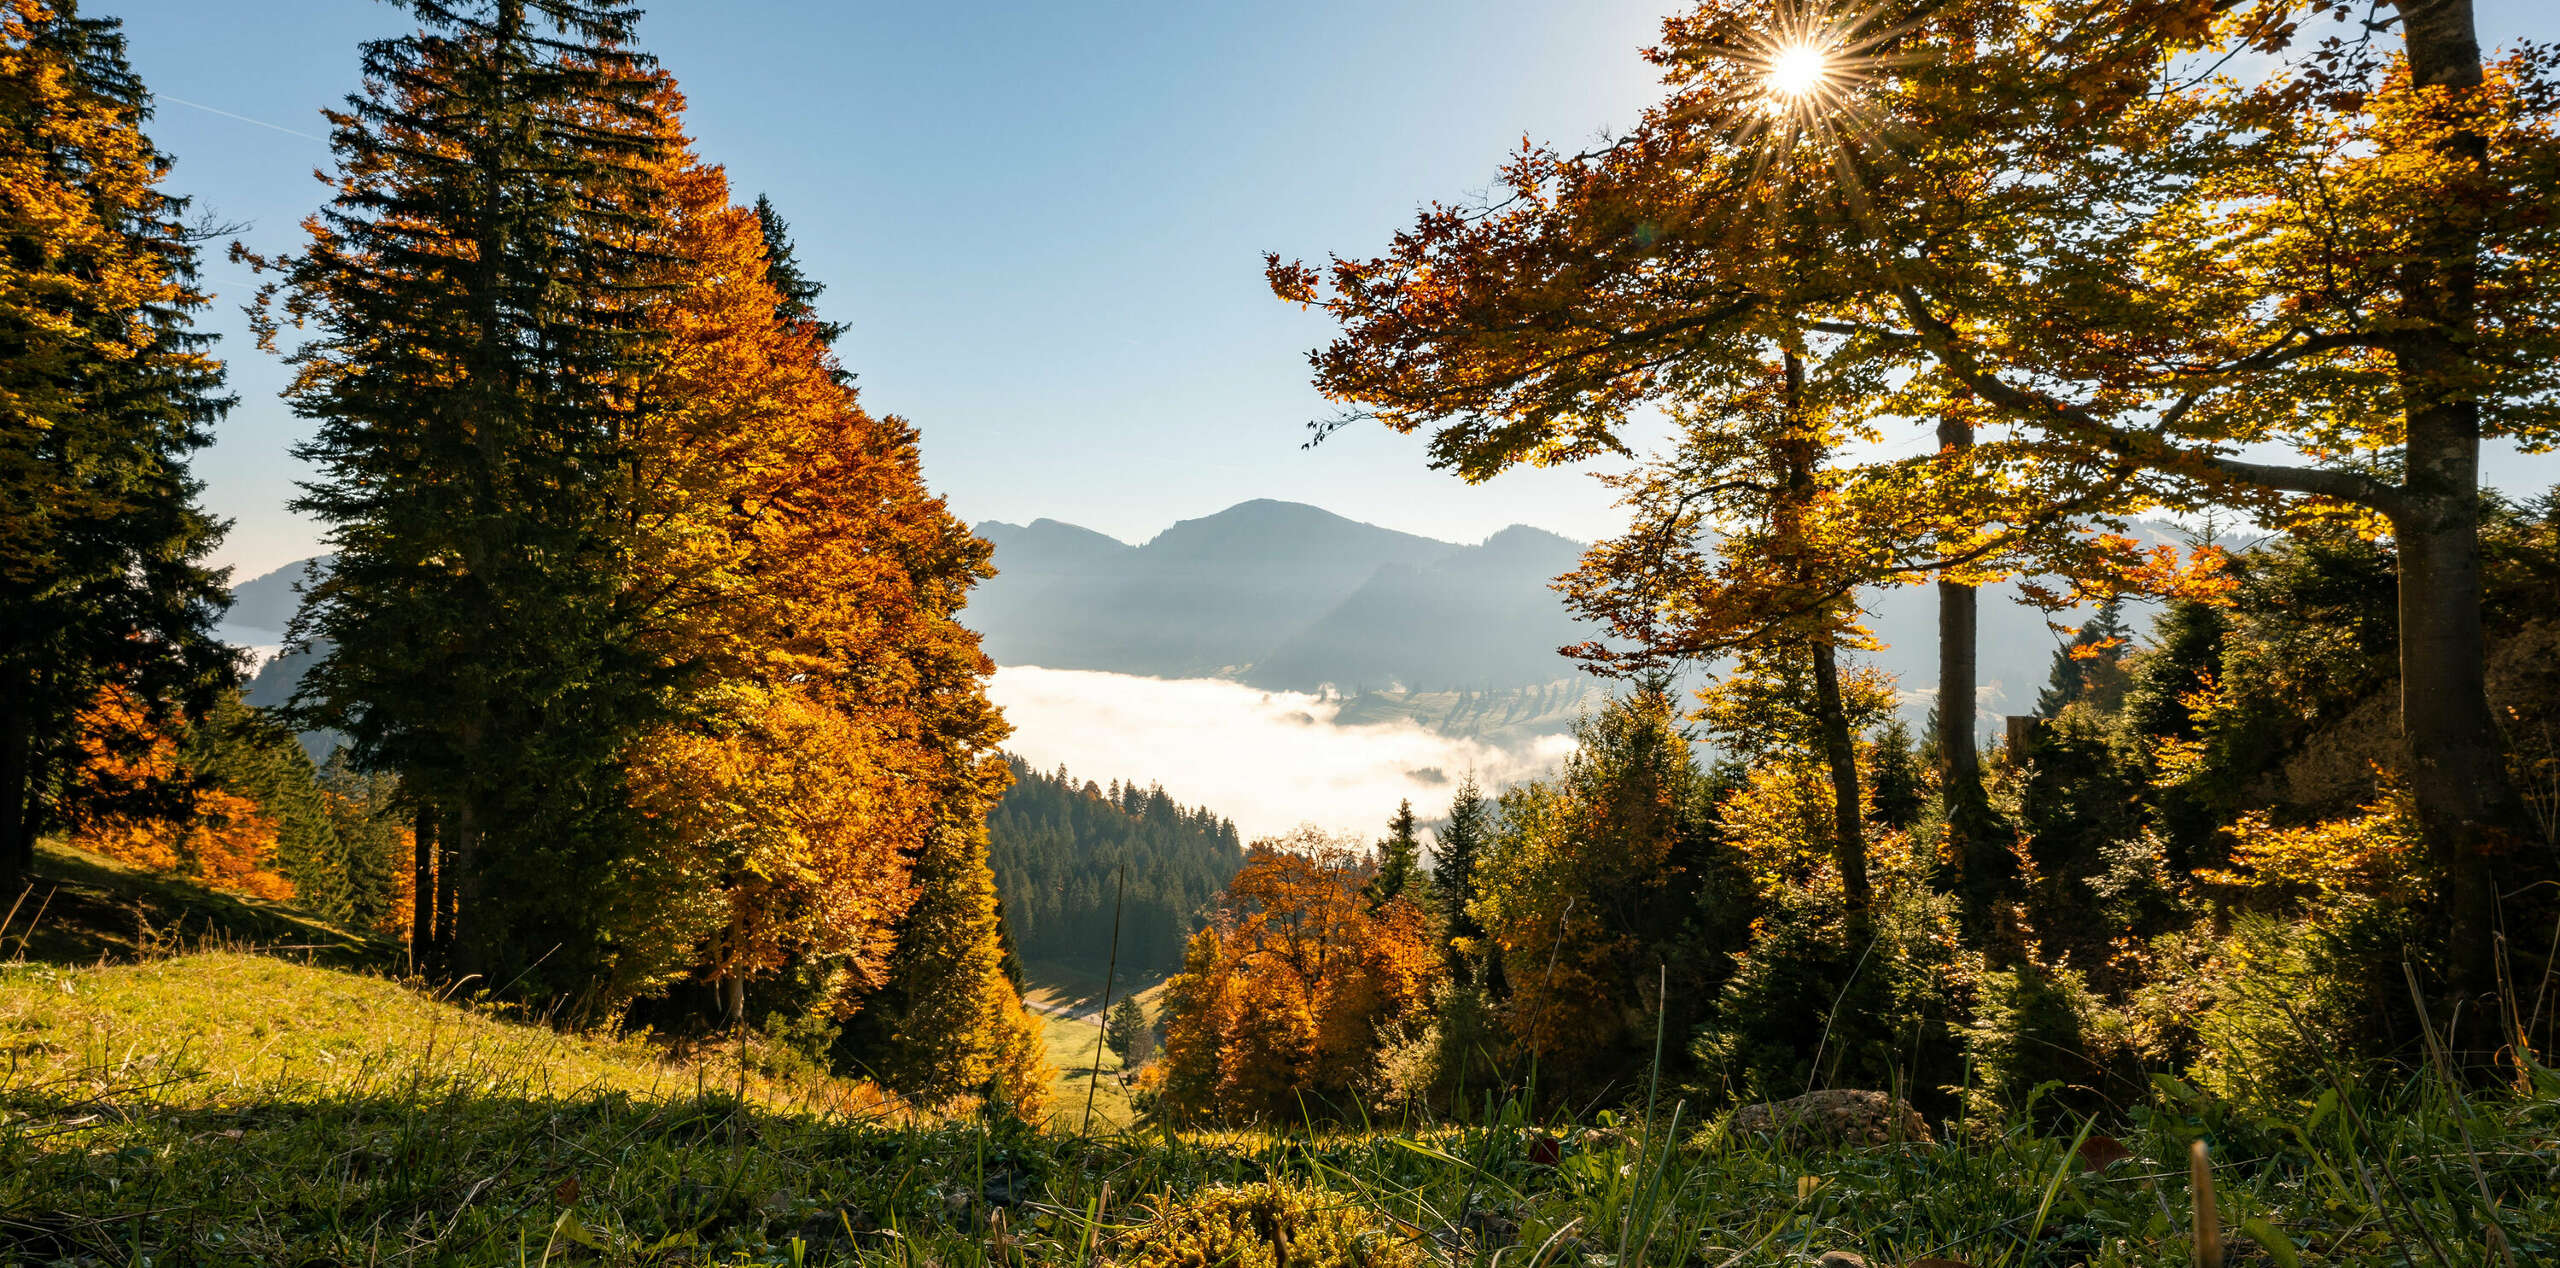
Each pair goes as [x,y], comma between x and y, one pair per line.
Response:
[1809,1006]
[245,751]
[472,311]
[1894,777]
[1059,847]
[1126,1030]
[2091,666]
[1456,845]
[103,543]
[371,847]
[799,291]
[1399,858]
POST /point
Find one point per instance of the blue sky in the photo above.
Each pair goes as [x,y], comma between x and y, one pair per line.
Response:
[1043,222]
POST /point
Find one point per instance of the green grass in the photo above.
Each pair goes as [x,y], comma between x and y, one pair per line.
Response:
[83,908]
[221,1108]
[1071,1047]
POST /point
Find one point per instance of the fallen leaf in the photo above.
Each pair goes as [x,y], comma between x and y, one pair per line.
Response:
[2098,1153]
[566,1192]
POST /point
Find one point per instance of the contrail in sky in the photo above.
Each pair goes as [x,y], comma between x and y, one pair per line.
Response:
[273,127]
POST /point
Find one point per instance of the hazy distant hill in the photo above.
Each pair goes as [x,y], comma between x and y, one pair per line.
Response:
[1207,597]
[1288,597]
[266,604]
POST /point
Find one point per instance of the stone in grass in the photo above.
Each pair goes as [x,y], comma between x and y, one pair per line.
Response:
[1841,1117]
[1265,1225]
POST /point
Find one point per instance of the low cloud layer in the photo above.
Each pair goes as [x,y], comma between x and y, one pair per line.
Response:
[1270,760]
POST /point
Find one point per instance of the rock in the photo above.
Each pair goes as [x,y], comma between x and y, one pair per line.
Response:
[1841,1117]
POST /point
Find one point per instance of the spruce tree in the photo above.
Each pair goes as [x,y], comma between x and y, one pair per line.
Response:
[473,290]
[1459,843]
[105,390]
[1398,856]
[2091,666]
[1127,1032]
[946,1023]
[799,291]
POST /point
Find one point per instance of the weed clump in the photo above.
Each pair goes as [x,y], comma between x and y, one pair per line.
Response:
[1266,1225]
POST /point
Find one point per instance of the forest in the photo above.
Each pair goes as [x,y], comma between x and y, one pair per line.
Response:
[1092,875]
[669,894]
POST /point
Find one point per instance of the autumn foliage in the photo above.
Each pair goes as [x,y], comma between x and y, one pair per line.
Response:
[1288,997]
[211,835]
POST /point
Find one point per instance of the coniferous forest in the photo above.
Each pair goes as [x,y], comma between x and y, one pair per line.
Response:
[1063,849]
[664,891]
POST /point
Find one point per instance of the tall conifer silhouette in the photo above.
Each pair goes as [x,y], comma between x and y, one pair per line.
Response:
[475,285]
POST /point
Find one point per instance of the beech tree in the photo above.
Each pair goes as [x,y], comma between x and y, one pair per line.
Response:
[105,390]
[2099,244]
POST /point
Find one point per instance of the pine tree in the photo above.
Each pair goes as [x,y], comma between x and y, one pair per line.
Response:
[105,389]
[1398,856]
[476,287]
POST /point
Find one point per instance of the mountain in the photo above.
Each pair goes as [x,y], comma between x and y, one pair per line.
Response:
[265,604]
[1279,595]
[1208,597]
[1288,597]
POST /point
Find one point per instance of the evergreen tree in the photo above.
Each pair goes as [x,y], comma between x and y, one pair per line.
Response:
[2091,666]
[105,389]
[1056,844]
[475,287]
[947,1024]
[1127,1032]
[1898,794]
[1456,846]
[1398,856]
[798,309]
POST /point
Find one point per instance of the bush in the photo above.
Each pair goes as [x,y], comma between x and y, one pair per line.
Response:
[1808,1008]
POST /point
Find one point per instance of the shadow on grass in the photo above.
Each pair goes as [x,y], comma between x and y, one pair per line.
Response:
[82,909]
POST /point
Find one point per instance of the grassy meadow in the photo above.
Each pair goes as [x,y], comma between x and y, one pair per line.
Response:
[218,1105]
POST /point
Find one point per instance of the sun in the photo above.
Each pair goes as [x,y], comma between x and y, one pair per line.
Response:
[1797,71]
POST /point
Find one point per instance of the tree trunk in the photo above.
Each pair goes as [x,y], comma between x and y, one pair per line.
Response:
[733,1001]
[2467,806]
[1840,752]
[422,894]
[457,844]
[1982,860]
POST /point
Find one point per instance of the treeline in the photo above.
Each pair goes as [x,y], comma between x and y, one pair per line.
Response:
[2211,867]
[642,630]
[1062,849]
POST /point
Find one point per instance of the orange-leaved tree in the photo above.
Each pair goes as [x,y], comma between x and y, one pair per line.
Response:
[2208,249]
[1285,1004]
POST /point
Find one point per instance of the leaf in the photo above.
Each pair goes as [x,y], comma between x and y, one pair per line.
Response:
[2278,1246]
[566,1192]
[2098,1153]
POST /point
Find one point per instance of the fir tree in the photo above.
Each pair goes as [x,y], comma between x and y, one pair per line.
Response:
[1898,794]
[947,1024]
[105,390]
[1398,856]
[799,291]
[1127,1032]
[2091,666]
[475,289]
[1457,845]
